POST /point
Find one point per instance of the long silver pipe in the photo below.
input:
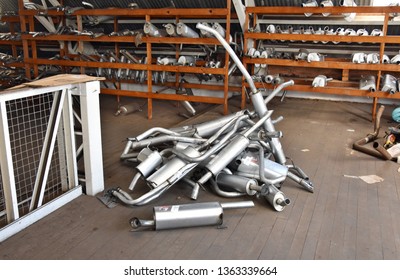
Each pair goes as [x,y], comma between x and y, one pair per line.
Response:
[277,90]
[166,138]
[232,53]
[147,197]
[214,148]
[152,130]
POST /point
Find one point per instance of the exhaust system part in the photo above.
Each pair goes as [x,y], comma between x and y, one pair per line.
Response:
[348,3]
[315,57]
[151,30]
[238,183]
[376,32]
[309,3]
[359,58]
[170,29]
[188,107]
[385,59]
[359,145]
[368,83]
[218,27]
[389,84]
[373,58]
[384,153]
[276,198]
[188,215]
[128,109]
[248,164]
[185,31]
[395,59]
[173,170]
[320,81]
[186,60]
[326,3]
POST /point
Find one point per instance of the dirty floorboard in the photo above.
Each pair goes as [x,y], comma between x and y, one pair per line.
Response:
[345,218]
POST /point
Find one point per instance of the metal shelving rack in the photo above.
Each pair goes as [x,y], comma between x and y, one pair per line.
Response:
[32,60]
[342,86]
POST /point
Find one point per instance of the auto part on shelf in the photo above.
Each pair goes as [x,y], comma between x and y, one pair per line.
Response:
[188,215]
[362,32]
[170,29]
[385,59]
[359,58]
[273,79]
[389,84]
[326,3]
[368,83]
[185,31]
[348,3]
[373,58]
[315,57]
[309,3]
[186,60]
[301,55]
[376,32]
[320,81]
[395,59]
[151,30]
[218,27]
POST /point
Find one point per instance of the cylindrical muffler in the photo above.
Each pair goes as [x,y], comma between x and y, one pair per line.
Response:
[205,33]
[229,153]
[186,60]
[249,164]
[148,165]
[151,30]
[389,84]
[218,27]
[170,29]
[368,83]
[237,183]
[185,31]
[309,3]
[188,215]
[170,169]
[276,198]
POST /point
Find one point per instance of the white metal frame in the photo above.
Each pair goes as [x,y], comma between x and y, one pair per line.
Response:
[61,121]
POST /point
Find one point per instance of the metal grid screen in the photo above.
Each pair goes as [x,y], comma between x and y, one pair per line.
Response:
[27,120]
[3,217]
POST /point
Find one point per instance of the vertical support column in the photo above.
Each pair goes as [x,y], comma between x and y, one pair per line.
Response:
[149,78]
[226,76]
[70,143]
[91,136]
[7,169]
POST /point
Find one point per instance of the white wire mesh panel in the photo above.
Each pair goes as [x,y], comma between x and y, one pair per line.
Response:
[3,216]
[27,120]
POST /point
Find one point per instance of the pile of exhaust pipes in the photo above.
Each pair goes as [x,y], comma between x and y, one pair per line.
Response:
[237,155]
[380,145]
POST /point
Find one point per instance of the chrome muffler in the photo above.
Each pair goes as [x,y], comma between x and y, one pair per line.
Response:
[368,83]
[188,215]
[389,84]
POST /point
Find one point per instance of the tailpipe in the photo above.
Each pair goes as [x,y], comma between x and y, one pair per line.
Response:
[276,198]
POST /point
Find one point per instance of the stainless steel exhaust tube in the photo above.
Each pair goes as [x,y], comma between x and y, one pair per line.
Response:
[276,198]
[188,215]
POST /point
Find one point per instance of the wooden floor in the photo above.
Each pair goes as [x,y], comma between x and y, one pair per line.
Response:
[345,218]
